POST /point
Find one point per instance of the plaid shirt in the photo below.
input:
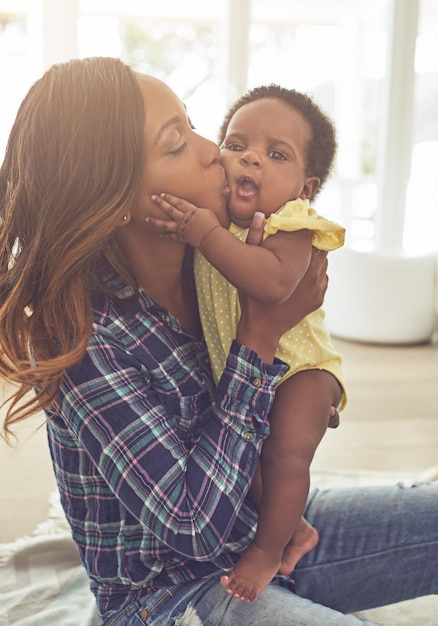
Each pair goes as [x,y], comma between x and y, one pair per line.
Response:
[152,462]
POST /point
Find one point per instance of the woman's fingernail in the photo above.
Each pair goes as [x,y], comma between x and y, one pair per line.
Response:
[258,219]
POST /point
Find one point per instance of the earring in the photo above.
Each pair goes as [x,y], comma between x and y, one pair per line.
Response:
[125,217]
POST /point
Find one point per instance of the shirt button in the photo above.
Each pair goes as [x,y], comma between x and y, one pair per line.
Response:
[248,436]
[256,382]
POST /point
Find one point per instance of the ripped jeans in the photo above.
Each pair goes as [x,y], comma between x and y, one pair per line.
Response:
[378,546]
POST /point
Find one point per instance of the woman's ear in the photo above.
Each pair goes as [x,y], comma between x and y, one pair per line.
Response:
[311,186]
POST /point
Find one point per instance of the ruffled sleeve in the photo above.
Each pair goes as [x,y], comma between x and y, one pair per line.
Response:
[298,215]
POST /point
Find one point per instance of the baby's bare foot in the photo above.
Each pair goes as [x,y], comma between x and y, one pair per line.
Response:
[254,570]
[304,540]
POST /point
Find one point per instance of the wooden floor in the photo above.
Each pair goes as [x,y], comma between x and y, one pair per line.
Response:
[390,423]
[391,419]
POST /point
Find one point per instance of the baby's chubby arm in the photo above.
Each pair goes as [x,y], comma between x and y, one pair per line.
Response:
[269,272]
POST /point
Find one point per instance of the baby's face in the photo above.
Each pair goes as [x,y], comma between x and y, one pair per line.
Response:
[264,156]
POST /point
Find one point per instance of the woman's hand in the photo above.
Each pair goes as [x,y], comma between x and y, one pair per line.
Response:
[309,295]
[261,325]
[334,420]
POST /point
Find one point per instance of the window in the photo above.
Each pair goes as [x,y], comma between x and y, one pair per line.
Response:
[16,64]
[181,43]
[336,51]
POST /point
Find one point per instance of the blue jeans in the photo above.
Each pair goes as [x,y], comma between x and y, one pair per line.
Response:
[378,546]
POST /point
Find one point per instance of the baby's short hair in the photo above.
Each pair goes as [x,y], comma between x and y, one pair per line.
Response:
[321,148]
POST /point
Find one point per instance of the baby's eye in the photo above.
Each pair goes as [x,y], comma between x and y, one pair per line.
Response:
[276,155]
[235,147]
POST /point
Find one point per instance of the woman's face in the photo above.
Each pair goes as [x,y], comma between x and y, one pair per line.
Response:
[178,160]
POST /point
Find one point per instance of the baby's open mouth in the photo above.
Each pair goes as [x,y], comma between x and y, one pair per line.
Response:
[246,187]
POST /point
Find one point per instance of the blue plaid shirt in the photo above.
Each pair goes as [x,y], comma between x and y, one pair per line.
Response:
[153,463]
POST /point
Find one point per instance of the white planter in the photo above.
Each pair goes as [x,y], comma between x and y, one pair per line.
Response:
[380,298]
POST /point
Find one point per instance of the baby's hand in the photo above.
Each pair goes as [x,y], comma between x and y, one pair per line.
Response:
[186,222]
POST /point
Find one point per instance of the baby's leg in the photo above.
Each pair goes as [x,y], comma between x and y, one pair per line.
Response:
[299,418]
[303,540]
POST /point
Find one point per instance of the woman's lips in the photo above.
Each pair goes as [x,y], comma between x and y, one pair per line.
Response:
[226,191]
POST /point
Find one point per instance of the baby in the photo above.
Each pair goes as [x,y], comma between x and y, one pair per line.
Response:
[277,148]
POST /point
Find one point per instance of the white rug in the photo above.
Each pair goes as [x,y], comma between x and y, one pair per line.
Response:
[42,582]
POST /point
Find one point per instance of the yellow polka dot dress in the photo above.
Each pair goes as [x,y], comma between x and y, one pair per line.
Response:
[307,345]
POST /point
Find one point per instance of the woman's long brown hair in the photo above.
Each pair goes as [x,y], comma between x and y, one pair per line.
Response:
[73,163]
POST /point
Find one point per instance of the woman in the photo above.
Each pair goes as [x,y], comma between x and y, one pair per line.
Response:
[98,314]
